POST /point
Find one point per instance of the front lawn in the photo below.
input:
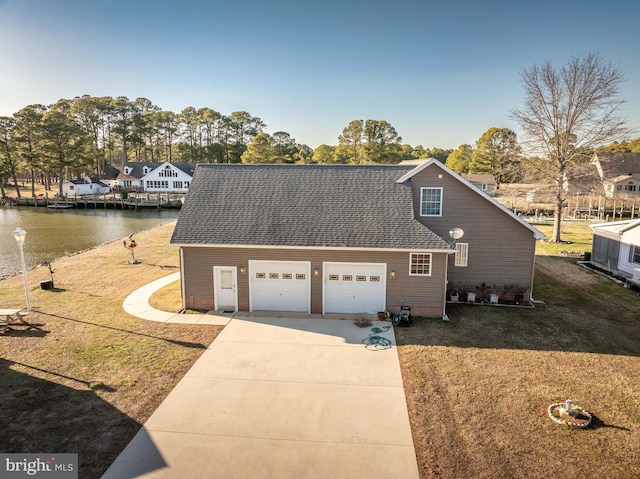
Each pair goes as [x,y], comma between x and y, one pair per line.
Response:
[478,387]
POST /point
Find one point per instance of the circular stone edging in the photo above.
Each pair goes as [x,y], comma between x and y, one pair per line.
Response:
[555,417]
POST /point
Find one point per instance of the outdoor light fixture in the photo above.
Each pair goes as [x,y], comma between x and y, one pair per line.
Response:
[242,270]
[316,272]
[19,234]
[393,275]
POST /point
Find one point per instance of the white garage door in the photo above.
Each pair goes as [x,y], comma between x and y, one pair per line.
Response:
[354,287]
[280,286]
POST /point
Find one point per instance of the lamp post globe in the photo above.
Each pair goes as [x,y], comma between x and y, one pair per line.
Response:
[19,234]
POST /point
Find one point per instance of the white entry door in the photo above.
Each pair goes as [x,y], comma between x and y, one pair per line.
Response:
[225,288]
[354,287]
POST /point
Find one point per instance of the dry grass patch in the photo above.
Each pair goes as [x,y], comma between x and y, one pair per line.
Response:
[88,375]
[167,298]
[478,387]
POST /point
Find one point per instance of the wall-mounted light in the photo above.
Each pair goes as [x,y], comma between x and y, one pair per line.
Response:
[316,272]
[393,275]
[242,270]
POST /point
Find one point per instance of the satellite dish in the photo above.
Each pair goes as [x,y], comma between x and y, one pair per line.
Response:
[456,233]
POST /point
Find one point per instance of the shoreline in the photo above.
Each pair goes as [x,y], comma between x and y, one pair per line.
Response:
[4,277]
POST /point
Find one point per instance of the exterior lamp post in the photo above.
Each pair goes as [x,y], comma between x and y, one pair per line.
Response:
[19,234]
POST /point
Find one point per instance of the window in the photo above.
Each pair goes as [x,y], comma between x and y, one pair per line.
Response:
[164,184]
[634,254]
[420,264]
[485,187]
[167,172]
[226,280]
[431,202]
[462,252]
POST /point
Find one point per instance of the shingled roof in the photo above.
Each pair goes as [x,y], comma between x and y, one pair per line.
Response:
[325,206]
[617,164]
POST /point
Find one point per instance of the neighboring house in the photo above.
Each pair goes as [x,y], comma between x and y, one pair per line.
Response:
[84,186]
[130,176]
[346,239]
[484,182]
[616,248]
[169,177]
[618,172]
[623,184]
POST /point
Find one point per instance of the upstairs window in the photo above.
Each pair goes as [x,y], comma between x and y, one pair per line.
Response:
[420,264]
[431,202]
[462,254]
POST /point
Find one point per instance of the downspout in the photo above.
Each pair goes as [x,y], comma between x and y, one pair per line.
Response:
[182,281]
[533,272]
[446,283]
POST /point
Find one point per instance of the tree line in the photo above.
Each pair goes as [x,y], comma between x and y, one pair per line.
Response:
[568,114]
[86,134]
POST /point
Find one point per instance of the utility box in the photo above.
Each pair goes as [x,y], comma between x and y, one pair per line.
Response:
[46,284]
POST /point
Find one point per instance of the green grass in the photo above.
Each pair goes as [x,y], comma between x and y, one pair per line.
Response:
[577,233]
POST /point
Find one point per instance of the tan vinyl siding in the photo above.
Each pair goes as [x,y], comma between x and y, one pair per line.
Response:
[501,250]
[418,291]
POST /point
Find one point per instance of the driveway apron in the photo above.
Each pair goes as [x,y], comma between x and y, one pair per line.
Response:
[282,398]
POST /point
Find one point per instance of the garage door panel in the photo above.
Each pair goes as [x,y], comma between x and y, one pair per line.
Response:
[279,286]
[354,287]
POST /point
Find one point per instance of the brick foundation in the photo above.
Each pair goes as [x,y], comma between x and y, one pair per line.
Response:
[419,311]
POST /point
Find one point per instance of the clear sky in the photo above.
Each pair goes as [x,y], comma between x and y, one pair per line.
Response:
[441,72]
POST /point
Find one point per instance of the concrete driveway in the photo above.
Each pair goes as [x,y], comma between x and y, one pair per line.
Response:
[282,398]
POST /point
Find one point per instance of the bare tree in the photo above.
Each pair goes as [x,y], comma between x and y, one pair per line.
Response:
[568,111]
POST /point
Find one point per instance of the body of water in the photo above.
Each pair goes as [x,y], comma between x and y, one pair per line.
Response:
[53,233]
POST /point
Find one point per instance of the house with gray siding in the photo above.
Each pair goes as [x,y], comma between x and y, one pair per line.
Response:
[485,182]
[619,173]
[346,239]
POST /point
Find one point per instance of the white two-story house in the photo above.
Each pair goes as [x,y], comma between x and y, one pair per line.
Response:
[170,177]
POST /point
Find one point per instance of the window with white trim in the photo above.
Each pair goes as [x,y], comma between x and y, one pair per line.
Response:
[420,264]
[462,254]
[431,202]
[634,254]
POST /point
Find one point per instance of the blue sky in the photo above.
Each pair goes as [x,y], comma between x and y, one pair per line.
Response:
[440,72]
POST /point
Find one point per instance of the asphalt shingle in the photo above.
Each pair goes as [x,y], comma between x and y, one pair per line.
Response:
[302,205]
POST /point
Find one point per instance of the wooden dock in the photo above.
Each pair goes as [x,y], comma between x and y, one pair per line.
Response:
[131,201]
